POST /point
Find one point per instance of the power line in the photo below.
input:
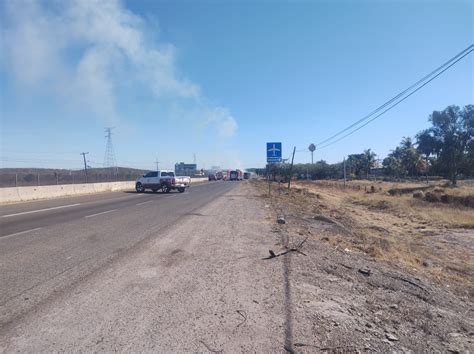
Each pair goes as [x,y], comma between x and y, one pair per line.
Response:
[396,103]
[443,68]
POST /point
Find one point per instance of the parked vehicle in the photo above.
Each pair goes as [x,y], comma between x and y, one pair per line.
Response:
[240,175]
[236,175]
[219,175]
[163,180]
[225,175]
[212,177]
[246,175]
[183,180]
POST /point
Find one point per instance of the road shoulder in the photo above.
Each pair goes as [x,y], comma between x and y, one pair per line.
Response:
[201,285]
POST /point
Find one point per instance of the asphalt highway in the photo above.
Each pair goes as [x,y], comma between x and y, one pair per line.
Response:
[48,246]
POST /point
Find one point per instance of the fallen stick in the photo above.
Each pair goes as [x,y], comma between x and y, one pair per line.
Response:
[210,349]
[244,315]
[411,282]
[297,250]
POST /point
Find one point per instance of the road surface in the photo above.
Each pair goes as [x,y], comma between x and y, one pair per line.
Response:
[126,271]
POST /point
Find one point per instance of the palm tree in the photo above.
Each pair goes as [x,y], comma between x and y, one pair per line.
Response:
[369,160]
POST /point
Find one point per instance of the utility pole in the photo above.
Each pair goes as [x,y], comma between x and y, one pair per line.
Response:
[344,172]
[85,164]
[291,166]
[157,164]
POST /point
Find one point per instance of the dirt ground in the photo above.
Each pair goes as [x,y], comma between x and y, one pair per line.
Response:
[377,273]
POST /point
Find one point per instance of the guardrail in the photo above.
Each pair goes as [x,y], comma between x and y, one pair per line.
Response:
[23,194]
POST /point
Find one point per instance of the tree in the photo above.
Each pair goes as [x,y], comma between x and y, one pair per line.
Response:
[450,140]
[29,177]
[467,165]
[393,166]
[370,161]
[404,160]
[356,164]
[409,156]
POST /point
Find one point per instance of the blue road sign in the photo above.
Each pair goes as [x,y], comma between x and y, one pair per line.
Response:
[273,152]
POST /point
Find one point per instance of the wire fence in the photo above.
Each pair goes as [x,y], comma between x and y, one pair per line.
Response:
[47,179]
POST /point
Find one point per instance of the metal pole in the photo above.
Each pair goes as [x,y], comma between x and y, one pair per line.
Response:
[85,165]
[344,172]
[269,185]
[38,179]
[291,166]
[16,179]
[312,152]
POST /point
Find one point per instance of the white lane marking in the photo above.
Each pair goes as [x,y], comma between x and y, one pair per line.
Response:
[20,233]
[111,199]
[40,210]
[144,202]
[104,212]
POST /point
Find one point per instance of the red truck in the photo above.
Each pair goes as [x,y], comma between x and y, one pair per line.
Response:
[236,175]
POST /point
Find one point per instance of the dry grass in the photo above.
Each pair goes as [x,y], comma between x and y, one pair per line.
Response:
[406,206]
[434,238]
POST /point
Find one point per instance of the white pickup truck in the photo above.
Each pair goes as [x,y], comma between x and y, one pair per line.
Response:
[163,180]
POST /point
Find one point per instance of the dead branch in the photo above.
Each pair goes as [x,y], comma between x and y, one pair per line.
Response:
[324,348]
[297,250]
[346,266]
[244,316]
[410,282]
[301,244]
[210,349]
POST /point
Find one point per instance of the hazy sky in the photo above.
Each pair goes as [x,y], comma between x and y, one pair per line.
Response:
[220,78]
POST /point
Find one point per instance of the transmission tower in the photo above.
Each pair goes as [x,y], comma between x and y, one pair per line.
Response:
[109,158]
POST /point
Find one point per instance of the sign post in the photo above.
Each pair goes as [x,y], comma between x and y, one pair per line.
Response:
[274,151]
[311,148]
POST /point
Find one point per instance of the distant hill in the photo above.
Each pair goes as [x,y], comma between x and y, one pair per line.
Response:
[64,170]
[48,176]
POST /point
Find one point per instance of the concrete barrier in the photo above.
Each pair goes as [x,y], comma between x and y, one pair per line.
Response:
[23,194]
[84,188]
[10,195]
[199,180]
